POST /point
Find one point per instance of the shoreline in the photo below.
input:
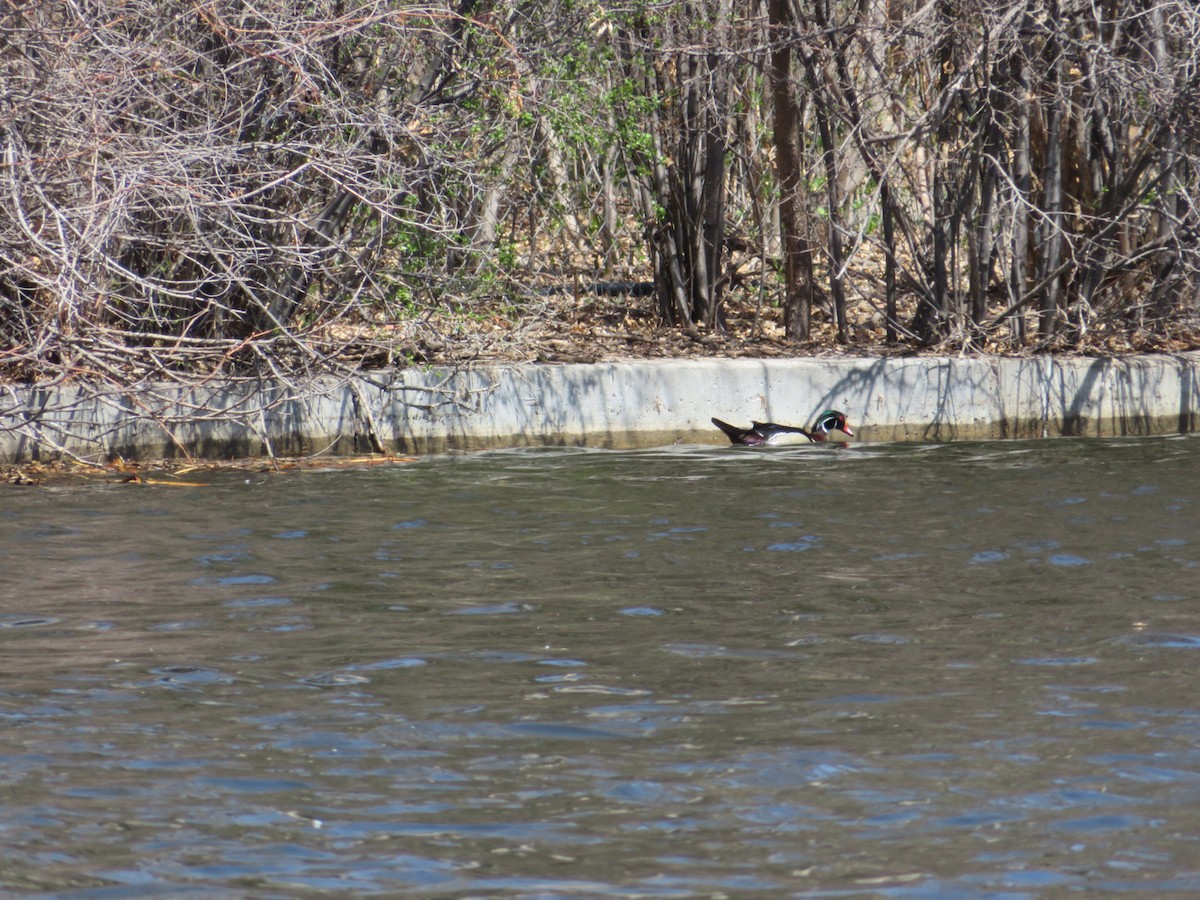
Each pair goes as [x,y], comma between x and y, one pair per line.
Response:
[630,404]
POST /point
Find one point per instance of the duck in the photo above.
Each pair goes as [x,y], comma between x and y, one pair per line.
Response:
[830,425]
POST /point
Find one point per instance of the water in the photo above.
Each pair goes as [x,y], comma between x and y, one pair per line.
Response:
[895,671]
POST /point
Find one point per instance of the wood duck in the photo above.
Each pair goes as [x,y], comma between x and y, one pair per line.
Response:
[831,425]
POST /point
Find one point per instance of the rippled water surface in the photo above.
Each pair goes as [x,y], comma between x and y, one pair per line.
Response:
[894,671]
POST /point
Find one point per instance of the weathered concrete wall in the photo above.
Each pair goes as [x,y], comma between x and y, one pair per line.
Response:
[628,404]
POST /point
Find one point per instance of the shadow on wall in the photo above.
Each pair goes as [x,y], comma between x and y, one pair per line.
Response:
[1138,396]
[1188,376]
[936,399]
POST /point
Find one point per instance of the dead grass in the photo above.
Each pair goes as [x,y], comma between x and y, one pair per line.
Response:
[582,327]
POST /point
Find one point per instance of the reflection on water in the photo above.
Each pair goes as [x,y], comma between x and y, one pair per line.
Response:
[897,671]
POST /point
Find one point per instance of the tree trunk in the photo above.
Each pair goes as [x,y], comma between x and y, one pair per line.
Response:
[788,143]
[1050,238]
[1021,178]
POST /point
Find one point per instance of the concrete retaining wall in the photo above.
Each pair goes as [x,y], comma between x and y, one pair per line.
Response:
[642,403]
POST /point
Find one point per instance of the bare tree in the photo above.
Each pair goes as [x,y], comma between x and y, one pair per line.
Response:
[224,188]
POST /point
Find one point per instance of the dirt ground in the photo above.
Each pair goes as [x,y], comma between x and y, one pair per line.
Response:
[590,329]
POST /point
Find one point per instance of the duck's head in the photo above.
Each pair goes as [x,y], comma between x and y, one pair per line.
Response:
[831,425]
